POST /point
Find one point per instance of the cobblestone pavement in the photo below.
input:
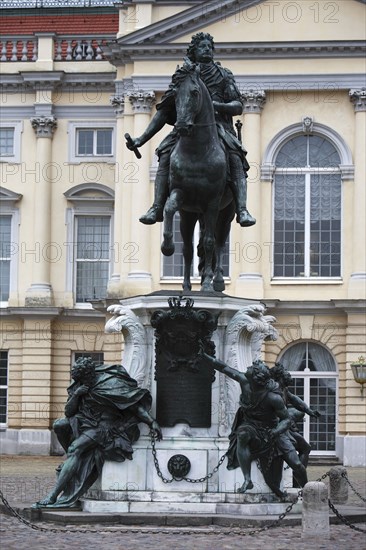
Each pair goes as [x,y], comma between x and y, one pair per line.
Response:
[26,479]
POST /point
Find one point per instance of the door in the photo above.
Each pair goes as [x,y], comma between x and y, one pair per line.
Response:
[314,375]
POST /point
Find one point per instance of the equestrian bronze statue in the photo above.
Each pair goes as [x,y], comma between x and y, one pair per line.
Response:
[202,164]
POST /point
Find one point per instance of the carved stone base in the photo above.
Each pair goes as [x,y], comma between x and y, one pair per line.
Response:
[39,295]
[241,329]
[187,503]
[140,475]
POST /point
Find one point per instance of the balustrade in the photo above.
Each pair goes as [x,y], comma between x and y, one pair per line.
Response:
[66,48]
[80,49]
[15,48]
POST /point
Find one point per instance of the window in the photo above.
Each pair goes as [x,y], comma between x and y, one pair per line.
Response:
[314,374]
[10,134]
[173,265]
[9,239]
[92,257]
[5,257]
[94,142]
[7,142]
[3,387]
[89,223]
[307,209]
[90,141]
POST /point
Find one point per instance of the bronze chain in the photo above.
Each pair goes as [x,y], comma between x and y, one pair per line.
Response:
[241,532]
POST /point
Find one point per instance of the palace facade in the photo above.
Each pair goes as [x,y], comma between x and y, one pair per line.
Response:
[77,76]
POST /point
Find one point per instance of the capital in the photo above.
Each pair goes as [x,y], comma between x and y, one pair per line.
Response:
[253,100]
[358,98]
[142,102]
[118,104]
[44,126]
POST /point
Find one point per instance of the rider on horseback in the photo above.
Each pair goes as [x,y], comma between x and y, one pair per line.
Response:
[227,103]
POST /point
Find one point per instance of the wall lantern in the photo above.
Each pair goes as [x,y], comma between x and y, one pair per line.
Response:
[359,371]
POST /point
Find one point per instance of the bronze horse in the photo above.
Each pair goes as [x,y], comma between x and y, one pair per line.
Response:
[198,190]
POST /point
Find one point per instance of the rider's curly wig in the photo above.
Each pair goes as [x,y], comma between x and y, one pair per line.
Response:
[196,39]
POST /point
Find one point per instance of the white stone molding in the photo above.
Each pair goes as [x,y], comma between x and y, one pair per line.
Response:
[44,126]
[135,356]
[253,100]
[244,336]
[358,98]
[142,102]
[268,167]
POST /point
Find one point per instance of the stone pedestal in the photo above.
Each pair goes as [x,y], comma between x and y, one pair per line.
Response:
[136,485]
[315,511]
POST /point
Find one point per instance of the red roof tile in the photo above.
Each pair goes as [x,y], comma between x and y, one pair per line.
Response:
[74,24]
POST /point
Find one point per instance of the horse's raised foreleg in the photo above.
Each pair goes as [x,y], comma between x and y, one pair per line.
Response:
[171,207]
[187,224]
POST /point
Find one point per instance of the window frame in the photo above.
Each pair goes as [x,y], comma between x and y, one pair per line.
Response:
[77,260]
[84,205]
[74,127]
[17,126]
[8,257]
[7,202]
[307,172]
[307,375]
[6,387]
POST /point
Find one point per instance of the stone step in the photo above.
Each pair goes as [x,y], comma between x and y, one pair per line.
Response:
[318,460]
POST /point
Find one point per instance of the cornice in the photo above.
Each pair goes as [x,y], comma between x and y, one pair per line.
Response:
[57,80]
[308,307]
[9,197]
[318,83]
[119,53]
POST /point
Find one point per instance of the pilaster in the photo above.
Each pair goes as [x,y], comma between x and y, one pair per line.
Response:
[40,292]
[139,279]
[250,281]
[114,284]
[357,285]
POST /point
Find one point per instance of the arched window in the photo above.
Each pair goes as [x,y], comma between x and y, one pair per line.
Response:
[314,374]
[307,208]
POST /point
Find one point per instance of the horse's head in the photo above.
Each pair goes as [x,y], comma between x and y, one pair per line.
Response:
[188,97]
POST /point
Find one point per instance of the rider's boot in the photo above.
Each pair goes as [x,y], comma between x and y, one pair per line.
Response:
[244,218]
[153,215]
[239,189]
[155,212]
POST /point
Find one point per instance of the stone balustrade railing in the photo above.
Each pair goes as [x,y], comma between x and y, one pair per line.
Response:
[66,48]
[86,48]
[19,48]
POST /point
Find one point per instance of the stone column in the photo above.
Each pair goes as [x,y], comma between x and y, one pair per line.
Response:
[250,281]
[358,278]
[139,279]
[40,291]
[114,284]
